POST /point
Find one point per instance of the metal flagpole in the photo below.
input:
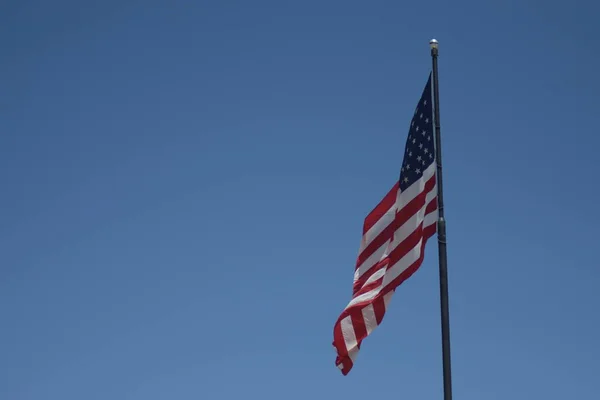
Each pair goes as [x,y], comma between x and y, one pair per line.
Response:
[441,231]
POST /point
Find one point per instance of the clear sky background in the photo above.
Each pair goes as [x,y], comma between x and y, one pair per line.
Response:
[184,185]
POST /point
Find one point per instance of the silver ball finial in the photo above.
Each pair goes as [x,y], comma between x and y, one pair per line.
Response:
[433,44]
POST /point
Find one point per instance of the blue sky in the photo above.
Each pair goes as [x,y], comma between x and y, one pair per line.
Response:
[184,184]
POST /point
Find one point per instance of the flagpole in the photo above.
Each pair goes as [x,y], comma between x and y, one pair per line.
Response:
[441,231]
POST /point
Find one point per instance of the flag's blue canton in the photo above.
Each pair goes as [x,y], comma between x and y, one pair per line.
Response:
[420,151]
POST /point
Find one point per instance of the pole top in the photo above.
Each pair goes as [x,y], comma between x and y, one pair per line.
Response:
[433,44]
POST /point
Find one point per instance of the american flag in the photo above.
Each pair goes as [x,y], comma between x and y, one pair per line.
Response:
[394,237]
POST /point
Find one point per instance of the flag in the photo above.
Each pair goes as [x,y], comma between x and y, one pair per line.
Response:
[394,237]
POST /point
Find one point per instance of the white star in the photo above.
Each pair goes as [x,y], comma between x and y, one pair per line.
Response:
[425,102]
[426,151]
[418,171]
[410,153]
[414,141]
[407,167]
[421,116]
[406,180]
[426,120]
[417,129]
[423,132]
[421,146]
[429,138]
[423,162]
[419,158]
[430,155]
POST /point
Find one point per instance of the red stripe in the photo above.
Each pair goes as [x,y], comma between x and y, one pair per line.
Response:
[358,323]
[346,362]
[365,277]
[378,303]
[379,307]
[401,217]
[431,207]
[427,233]
[339,342]
[377,242]
[380,209]
[396,255]
[406,245]
[411,209]
[368,287]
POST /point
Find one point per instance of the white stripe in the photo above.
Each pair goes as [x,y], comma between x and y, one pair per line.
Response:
[394,271]
[377,228]
[416,188]
[365,296]
[368,314]
[430,218]
[373,259]
[413,222]
[348,333]
[390,275]
[402,199]
[353,353]
[405,230]
[376,276]
[403,264]
[387,298]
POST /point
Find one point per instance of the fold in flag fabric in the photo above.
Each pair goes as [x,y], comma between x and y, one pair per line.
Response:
[394,237]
